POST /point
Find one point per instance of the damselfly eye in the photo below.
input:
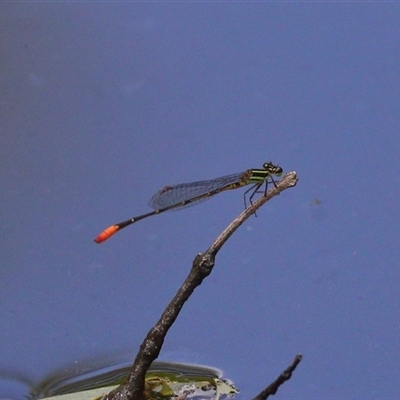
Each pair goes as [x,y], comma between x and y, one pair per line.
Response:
[268,165]
[273,169]
[278,171]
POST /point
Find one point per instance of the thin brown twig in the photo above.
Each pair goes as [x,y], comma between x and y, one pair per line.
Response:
[282,378]
[289,180]
[133,388]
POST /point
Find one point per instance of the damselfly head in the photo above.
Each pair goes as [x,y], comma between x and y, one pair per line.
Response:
[273,169]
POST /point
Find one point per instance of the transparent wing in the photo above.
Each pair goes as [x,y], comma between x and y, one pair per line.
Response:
[198,191]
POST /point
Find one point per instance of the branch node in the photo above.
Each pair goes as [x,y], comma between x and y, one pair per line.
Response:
[204,263]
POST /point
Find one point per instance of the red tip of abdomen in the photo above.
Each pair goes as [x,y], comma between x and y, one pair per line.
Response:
[106,233]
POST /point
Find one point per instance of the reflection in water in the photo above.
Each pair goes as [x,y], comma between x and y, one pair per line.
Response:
[165,379]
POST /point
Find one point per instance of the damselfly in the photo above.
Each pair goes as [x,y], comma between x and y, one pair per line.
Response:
[187,194]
